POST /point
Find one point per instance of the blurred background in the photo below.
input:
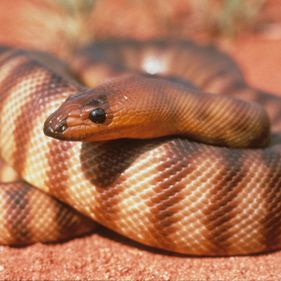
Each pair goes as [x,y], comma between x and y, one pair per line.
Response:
[53,24]
[250,30]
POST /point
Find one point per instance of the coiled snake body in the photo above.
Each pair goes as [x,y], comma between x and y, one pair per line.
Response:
[167,192]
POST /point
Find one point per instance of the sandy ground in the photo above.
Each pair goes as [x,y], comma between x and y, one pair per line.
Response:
[107,256]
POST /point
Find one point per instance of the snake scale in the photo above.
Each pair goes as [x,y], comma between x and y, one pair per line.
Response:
[220,197]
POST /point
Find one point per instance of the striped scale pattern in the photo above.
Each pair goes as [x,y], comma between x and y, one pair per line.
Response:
[169,193]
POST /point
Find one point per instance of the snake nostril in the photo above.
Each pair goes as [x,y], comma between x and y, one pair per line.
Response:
[61,127]
[52,129]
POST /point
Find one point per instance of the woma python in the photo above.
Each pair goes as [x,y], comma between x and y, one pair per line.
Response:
[154,156]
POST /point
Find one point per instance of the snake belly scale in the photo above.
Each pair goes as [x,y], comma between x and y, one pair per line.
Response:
[169,192]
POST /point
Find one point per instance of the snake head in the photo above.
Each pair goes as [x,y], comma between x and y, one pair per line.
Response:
[121,108]
[79,117]
[104,113]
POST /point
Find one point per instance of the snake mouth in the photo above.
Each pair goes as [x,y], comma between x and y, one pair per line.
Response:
[65,123]
[55,127]
[62,127]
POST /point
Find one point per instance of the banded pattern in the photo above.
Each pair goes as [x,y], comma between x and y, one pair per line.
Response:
[169,193]
[27,214]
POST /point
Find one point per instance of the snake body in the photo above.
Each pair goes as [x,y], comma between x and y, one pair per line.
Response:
[169,192]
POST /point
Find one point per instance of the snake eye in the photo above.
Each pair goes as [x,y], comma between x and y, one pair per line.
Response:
[97,115]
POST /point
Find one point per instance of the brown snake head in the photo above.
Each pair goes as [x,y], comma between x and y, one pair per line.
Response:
[78,117]
[110,111]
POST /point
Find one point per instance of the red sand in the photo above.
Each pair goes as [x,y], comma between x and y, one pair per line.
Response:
[105,255]
[112,258]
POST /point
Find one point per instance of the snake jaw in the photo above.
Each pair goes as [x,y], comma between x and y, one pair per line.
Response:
[65,128]
[55,126]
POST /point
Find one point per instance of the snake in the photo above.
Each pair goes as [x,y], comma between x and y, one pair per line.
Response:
[161,141]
